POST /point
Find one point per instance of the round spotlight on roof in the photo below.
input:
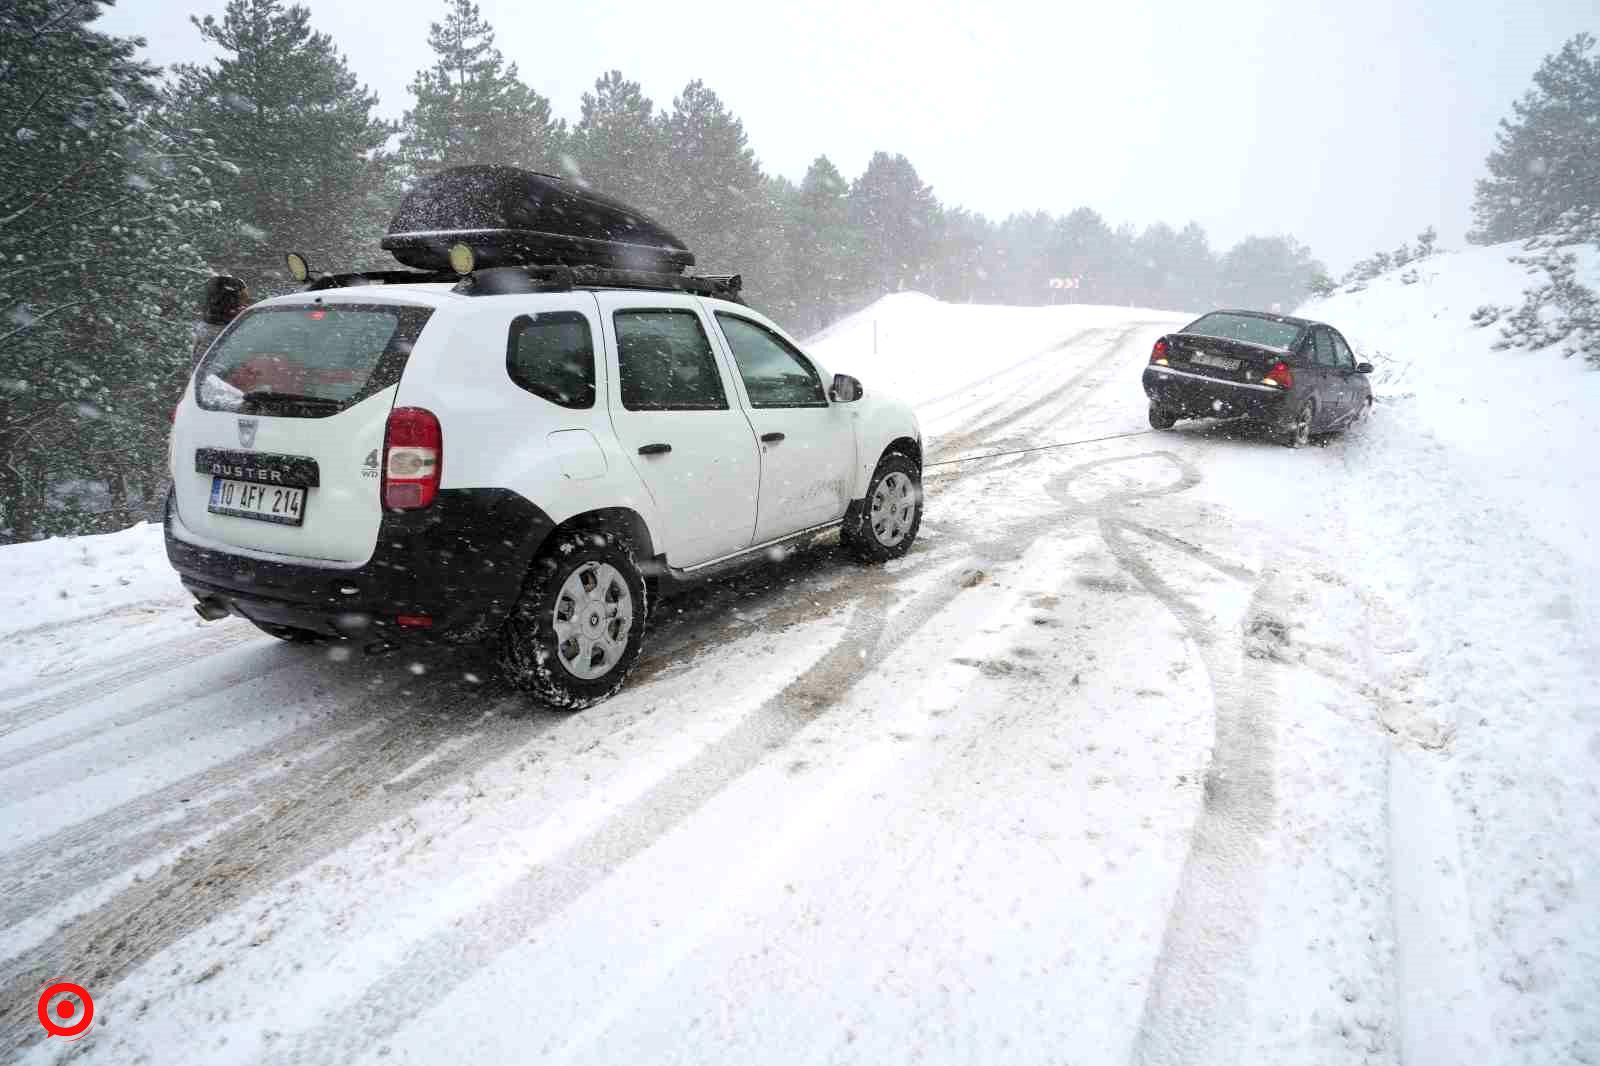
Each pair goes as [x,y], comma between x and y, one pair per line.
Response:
[299,269]
[462,258]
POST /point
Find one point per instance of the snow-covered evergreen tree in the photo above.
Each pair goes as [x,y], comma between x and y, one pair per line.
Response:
[1546,160]
[1558,309]
[709,185]
[284,108]
[895,218]
[100,194]
[472,107]
[615,147]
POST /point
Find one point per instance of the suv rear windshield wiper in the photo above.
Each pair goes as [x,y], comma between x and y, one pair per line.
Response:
[259,397]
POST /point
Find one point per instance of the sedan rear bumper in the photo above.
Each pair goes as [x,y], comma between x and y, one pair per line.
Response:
[1198,396]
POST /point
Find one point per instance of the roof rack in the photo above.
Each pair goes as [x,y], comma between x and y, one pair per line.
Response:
[553,277]
[558,277]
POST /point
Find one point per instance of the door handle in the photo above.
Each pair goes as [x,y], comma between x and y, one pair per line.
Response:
[655,449]
[771,438]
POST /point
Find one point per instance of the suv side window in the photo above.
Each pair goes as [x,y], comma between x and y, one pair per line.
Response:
[1324,343]
[552,356]
[665,362]
[1342,354]
[775,375]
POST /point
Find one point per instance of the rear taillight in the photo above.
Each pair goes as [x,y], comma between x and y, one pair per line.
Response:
[1158,354]
[413,458]
[1280,375]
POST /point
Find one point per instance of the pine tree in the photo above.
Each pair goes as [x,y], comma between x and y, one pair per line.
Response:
[285,109]
[963,245]
[895,217]
[1157,283]
[471,107]
[1425,242]
[1269,273]
[821,244]
[1083,247]
[709,185]
[1558,308]
[99,194]
[616,146]
[1194,268]
[1547,157]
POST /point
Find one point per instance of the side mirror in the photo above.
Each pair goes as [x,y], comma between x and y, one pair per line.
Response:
[1363,368]
[846,389]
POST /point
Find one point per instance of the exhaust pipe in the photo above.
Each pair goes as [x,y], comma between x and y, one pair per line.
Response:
[211,609]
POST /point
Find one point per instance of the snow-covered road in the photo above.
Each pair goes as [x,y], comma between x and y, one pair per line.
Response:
[1172,748]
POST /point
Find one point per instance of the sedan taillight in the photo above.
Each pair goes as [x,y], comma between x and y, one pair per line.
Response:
[413,458]
[1280,375]
[1158,354]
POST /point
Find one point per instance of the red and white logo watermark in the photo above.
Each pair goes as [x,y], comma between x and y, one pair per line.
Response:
[65,1009]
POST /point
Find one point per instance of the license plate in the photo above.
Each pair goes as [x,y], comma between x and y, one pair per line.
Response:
[264,503]
[1218,361]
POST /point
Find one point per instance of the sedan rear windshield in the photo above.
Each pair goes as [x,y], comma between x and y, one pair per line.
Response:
[1247,328]
[307,361]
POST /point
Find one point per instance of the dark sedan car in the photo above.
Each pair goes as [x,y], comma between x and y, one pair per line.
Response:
[1293,376]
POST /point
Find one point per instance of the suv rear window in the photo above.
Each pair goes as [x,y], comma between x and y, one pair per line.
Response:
[552,356]
[307,361]
[1247,328]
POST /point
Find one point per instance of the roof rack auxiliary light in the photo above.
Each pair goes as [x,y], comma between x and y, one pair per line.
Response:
[299,269]
[462,258]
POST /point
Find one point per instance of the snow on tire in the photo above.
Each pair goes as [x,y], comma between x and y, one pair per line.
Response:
[883,527]
[575,633]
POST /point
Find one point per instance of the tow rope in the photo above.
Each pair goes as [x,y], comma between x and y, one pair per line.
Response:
[1038,448]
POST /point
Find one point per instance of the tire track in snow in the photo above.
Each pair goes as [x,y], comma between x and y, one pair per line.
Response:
[130,670]
[971,388]
[333,795]
[1086,379]
[1198,987]
[137,717]
[440,963]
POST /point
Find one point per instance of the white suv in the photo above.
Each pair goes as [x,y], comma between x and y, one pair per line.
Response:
[517,462]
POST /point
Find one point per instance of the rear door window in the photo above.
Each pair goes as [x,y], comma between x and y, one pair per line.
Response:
[1324,348]
[552,356]
[665,363]
[308,361]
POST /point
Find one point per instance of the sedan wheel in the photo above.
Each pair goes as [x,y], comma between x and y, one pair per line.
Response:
[1300,432]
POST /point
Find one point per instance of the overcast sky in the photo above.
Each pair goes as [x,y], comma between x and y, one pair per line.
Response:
[1350,124]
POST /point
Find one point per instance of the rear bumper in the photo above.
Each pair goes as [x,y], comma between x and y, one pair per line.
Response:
[1195,396]
[461,562]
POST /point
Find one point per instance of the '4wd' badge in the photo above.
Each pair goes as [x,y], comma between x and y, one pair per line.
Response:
[247,432]
[370,467]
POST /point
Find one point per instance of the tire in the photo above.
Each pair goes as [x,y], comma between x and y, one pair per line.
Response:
[575,632]
[1366,411]
[290,634]
[1162,418]
[1299,432]
[883,526]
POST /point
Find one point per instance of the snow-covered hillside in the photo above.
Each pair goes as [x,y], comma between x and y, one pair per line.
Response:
[1166,748]
[1528,421]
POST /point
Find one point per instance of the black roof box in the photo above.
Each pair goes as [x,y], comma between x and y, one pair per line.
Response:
[513,217]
